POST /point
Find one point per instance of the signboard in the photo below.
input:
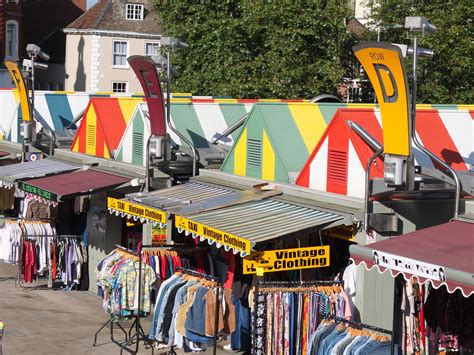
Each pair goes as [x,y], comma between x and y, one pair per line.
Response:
[341,232]
[37,191]
[15,72]
[136,210]
[214,234]
[383,63]
[145,70]
[287,259]
[410,266]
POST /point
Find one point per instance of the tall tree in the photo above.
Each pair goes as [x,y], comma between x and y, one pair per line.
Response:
[448,77]
[247,48]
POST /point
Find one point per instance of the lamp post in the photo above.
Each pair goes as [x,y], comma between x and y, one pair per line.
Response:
[170,44]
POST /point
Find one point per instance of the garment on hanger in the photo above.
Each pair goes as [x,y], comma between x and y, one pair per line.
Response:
[117,278]
[287,316]
[184,315]
[331,338]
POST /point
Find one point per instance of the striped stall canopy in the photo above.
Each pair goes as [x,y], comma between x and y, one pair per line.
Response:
[338,162]
[54,110]
[277,139]
[199,119]
[103,125]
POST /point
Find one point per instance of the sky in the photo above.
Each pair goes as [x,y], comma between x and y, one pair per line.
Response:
[90,3]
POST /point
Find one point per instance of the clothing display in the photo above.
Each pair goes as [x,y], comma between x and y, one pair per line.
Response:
[335,338]
[14,230]
[185,312]
[117,278]
[286,317]
[449,322]
[61,256]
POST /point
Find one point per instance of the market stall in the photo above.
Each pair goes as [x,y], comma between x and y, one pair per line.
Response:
[436,271]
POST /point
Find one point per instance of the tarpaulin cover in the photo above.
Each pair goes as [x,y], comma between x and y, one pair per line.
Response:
[449,245]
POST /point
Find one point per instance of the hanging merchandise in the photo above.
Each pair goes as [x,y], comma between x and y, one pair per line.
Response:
[286,314]
[190,311]
[11,239]
[117,278]
[339,336]
[449,320]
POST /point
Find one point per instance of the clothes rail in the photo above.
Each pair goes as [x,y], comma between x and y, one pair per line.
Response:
[299,283]
[111,323]
[369,327]
[361,325]
[197,274]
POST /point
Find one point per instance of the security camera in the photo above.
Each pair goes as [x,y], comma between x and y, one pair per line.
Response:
[173,43]
[35,51]
[419,24]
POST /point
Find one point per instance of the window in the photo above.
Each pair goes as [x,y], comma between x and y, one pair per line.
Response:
[120,53]
[152,48]
[11,39]
[119,86]
[134,12]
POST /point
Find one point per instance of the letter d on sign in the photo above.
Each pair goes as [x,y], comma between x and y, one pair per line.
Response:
[384,65]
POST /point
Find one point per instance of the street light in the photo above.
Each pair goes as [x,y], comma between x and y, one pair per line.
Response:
[170,44]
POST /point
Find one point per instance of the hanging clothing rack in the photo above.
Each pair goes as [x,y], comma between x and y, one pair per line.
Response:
[32,237]
[361,325]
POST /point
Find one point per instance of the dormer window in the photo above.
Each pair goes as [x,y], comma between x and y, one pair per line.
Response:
[134,11]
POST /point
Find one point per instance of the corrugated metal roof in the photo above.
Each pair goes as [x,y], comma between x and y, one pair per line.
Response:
[77,182]
[32,169]
[182,195]
[255,221]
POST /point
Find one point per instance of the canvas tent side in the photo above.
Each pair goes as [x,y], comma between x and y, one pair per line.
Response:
[338,163]
[103,125]
[277,138]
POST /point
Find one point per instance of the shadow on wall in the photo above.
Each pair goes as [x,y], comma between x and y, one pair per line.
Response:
[80,84]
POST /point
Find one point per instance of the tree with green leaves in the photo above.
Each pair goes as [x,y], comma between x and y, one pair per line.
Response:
[448,77]
[252,49]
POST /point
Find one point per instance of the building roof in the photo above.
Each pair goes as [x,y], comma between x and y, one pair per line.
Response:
[110,15]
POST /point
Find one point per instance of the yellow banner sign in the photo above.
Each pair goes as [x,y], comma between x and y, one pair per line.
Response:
[15,72]
[383,63]
[342,232]
[214,234]
[287,259]
[136,210]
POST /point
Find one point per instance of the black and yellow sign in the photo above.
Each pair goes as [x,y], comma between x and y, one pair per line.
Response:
[214,234]
[341,232]
[15,72]
[133,209]
[287,259]
[383,63]
[38,191]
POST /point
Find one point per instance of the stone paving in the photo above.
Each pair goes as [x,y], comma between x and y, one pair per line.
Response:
[45,321]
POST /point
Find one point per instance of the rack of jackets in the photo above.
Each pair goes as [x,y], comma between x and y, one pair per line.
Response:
[341,336]
[285,314]
[191,309]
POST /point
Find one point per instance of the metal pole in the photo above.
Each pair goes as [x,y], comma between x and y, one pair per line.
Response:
[216,320]
[394,321]
[367,183]
[168,111]
[147,165]
[457,182]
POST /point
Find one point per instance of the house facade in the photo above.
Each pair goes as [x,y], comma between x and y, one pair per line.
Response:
[11,36]
[99,42]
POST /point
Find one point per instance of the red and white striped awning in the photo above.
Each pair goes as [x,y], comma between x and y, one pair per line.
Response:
[442,255]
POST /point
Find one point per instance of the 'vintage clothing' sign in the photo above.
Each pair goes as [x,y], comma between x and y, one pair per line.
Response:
[287,259]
